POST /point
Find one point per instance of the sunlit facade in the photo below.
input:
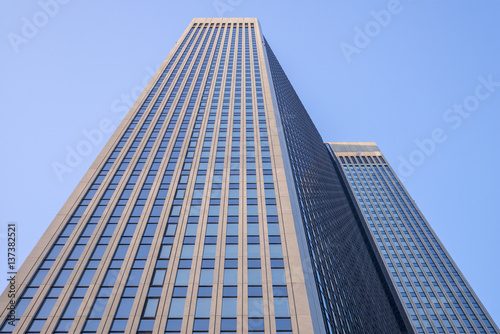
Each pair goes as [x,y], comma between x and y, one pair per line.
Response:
[216,207]
[434,294]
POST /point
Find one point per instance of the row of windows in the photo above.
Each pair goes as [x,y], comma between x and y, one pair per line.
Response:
[375,187]
[153,297]
[129,230]
[340,259]
[144,246]
[99,210]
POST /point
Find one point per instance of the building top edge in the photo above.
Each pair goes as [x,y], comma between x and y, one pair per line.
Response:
[225,19]
[358,147]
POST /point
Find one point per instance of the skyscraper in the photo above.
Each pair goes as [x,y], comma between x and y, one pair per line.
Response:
[434,294]
[216,207]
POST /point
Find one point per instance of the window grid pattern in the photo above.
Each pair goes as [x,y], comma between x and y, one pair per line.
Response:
[435,295]
[277,287]
[350,289]
[184,118]
[228,183]
[192,188]
[79,212]
[93,219]
[137,267]
[180,229]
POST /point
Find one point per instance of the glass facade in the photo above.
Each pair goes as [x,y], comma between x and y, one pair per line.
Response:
[434,293]
[180,228]
[215,208]
[351,291]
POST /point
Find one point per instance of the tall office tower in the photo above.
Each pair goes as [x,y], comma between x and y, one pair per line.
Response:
[434,294]
[215,207]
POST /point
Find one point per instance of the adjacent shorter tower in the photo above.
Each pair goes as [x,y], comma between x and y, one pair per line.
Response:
[216,207]
[431,288]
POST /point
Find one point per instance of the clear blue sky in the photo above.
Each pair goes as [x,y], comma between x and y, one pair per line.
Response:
[403,82]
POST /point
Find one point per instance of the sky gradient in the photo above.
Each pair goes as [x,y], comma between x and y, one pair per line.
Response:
[419,78]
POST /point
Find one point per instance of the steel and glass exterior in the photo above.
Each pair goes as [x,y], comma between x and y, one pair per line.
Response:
[433,291]
[215,207]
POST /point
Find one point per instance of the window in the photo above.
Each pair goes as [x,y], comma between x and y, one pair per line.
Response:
[201,324]
[45,309]
[278,276]
[228,324]
[173,325]
[275,251]
[255,307]
[72,308]
[182,277]
[229,307]
[165,251]
[209,251]
[187,251]
[232,251]
[203,307]
[150,308]
[254,277]
[231,276]
[176,308]
[207,276]
[281,308]
[124,308]
[254,251]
